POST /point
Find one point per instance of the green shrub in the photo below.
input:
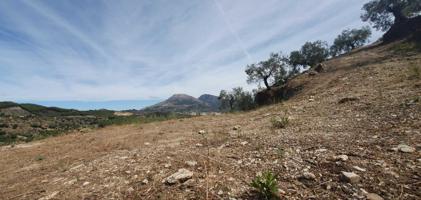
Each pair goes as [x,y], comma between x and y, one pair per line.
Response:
[266,185]
[36,125]
[415,71]
[280,122]
[39,158]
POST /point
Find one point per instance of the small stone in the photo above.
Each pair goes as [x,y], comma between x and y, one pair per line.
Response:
[281,191]
[405,148]
[128,172]
[236,128]
[50,196]
[350,177]
[199,145]
[168,165]
[320,150]
[85,183]
[145,181]
[373,196]
[130,190]
[201,132]
[342,158]
[244,143]
[308,176]
[220,192]
[359,168]
[181,175]
[71,182]
[328,187]
[147,143]
[191,163]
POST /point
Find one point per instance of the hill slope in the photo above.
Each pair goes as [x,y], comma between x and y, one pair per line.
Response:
[351,118]
[211,100]
[182,103]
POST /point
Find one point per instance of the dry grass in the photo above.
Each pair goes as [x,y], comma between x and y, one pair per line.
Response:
[114,162]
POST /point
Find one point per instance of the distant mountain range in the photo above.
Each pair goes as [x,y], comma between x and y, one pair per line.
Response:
[183,103]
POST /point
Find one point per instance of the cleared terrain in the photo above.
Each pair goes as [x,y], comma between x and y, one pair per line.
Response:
[363,106]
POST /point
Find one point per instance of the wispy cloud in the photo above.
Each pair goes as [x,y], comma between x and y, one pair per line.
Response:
[108,50]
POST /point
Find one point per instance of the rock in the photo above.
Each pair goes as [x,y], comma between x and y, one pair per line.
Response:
[308,176]
[130,190]
[145,181]
[22,138]
[168,165]
[220,192]
[199,145]
[359,168]
[341,158]
[347,99]
[312,73]
[191,163]
[50,196]
[373,196]
[236,128]
[328,187]
[85,183]
[405,148]
[350,177]
[71,182]
[147,143]
[181,175]
[244,143]
[320,68]
[320,150]
[201,132]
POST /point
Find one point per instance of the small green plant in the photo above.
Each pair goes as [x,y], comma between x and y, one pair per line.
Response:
[280,152]
[415,71]
[39,158]
[266,185]
[280,122]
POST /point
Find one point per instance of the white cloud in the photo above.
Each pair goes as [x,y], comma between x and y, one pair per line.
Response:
[115,50]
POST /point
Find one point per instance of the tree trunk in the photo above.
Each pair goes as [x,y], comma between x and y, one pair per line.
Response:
[398,14]
[265,80]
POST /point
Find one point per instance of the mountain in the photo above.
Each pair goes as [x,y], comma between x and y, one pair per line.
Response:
[211,100]
[183,103]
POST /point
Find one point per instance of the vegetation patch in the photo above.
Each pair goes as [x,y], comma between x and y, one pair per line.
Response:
[266,185]
[414,72]
[279,122]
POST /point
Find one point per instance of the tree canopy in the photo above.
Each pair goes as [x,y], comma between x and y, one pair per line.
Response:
[270,71]
[310,54]
[236,100]
[384,13]
[349,40]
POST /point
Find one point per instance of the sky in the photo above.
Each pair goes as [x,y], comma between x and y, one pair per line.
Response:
[129,54]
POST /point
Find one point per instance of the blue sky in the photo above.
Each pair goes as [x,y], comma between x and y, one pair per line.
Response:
[128,54]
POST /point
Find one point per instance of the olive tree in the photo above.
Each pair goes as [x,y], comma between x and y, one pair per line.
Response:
[270,71]
[349,40]
[310,54]
[236,100]
[384,13]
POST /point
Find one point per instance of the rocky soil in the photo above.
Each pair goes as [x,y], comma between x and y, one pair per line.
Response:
[353,133]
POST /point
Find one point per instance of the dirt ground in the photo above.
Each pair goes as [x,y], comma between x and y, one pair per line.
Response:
[363,106]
